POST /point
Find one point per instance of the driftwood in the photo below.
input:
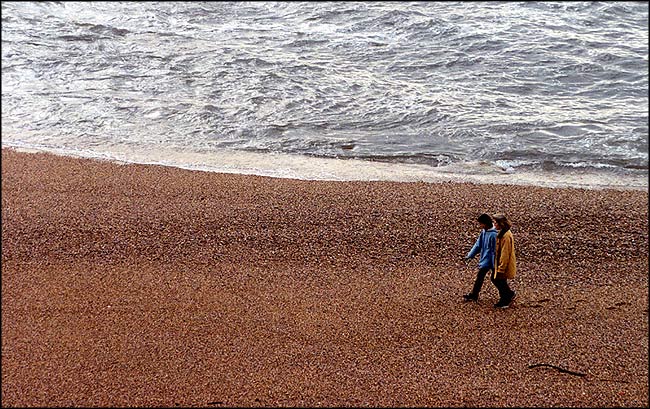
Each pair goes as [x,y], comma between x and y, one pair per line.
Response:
[576,373]
[558,368]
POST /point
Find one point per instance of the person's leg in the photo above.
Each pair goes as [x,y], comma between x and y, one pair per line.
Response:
[502,285]
[478,284]
[505,293]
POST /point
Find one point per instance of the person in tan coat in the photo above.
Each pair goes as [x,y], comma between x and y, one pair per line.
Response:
[505,261]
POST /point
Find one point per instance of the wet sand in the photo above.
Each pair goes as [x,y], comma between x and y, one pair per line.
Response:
[140,285]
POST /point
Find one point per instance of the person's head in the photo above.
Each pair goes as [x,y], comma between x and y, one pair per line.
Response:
[485,220]
[501,222]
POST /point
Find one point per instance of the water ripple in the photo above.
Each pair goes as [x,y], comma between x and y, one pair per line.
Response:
[531,83]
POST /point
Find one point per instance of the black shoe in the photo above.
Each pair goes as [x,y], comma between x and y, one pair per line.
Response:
[470,297]
[502,305]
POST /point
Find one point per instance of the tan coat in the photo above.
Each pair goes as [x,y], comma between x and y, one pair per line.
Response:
[505,262]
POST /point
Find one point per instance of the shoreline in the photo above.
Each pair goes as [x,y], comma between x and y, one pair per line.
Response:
[146,285]
[289,166]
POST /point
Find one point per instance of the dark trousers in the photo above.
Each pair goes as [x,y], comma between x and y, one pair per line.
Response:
[505,293]
[480,277]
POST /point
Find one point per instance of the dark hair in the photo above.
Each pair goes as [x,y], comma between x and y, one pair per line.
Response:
[503,222]
[485,219]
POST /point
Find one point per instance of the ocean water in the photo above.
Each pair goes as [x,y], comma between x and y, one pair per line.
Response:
[542,93]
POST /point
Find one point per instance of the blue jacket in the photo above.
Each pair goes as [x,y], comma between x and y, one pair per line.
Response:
[486,245]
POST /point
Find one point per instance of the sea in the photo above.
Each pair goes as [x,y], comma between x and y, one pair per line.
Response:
[537,93]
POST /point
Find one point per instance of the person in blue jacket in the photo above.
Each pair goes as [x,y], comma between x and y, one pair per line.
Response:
[485,246]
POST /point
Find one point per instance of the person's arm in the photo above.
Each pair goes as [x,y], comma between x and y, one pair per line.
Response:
[475,249]
[492,246]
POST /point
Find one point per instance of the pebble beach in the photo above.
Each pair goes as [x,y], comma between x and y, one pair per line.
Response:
[127,285]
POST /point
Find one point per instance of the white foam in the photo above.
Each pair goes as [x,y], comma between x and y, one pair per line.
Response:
[313,168]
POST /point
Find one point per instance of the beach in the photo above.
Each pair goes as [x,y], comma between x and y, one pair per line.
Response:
[140,285]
